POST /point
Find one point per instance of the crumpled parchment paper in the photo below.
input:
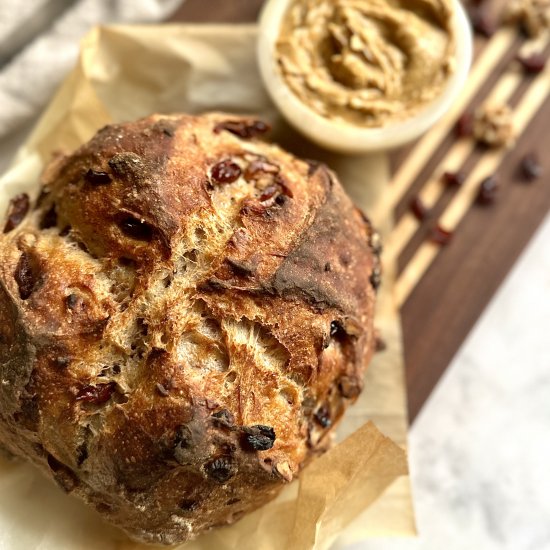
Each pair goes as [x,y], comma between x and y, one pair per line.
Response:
[360,488]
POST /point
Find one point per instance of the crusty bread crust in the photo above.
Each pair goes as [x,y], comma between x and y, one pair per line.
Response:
[185,314]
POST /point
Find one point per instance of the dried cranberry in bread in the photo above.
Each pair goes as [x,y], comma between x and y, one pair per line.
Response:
[185,314]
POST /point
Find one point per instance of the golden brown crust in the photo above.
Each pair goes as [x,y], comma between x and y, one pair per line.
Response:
[184,316]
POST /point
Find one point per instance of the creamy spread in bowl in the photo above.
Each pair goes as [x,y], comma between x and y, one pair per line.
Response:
[367,62]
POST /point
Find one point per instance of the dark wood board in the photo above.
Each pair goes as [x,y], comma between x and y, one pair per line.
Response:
[457,287]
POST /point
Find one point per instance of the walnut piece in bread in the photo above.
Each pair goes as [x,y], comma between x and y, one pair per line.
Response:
[185,314]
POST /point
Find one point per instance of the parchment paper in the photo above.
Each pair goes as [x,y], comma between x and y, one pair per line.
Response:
[360,488]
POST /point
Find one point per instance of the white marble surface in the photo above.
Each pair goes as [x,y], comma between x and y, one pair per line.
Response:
[480,449]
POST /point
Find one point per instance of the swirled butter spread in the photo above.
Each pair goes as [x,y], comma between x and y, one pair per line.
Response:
[367,62]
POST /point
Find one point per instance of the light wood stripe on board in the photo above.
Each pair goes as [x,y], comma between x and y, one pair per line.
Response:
[434,189]
[531,102]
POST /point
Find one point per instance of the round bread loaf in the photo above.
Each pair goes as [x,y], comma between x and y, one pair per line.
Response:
[185,314]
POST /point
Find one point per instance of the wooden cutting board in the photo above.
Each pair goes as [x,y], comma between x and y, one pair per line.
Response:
[444,290]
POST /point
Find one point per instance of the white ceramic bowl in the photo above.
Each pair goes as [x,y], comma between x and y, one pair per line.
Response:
[340,136]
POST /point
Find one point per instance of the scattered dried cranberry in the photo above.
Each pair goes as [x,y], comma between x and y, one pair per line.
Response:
[419,209]
[488,190]
[220,469]
[243,129]
[17,210]
[454,179]
[259,438]
[96,177]
[98,394]
[136,229]
[482,22]
[226,171]
[531,168]
[322,416]
[27,274]
[465,125]
[441,236]
[533,64]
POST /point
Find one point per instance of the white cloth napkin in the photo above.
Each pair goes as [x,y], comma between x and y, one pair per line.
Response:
[45,35]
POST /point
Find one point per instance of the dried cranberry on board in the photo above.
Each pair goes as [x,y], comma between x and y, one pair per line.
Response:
[419,209]
[531,169]
[482,22]
[532,64]
[441,236]
[465,125]
[454,179]
[488,191]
